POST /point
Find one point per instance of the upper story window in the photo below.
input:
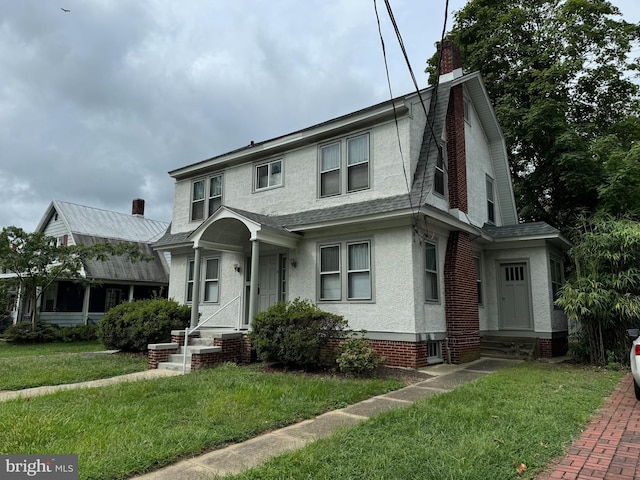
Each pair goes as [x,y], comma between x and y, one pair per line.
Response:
[431,272]
[491,209]
[268,175]
[352,283]
[351,157]
[206,197]
[439,177]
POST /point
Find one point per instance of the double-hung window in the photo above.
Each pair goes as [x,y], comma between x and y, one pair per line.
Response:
[268,175]
[439,177]
[352,157]
[211,286]
[206,197]
[431,272]
[478,265]
[211,279]
[190,279]
[557,277]
[345,271]
[491,209]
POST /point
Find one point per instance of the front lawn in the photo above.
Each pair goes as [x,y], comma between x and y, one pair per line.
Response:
[35,365]
[517,418]
[128,428]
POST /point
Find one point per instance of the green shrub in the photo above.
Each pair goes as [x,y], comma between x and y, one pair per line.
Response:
[132,326]
[24,332]
[79,333]
[356,356]
[296,334]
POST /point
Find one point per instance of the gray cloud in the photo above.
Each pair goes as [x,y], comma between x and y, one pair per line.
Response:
[97,104]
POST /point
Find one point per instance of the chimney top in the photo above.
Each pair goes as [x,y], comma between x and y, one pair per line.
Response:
[137,207]
[450,59]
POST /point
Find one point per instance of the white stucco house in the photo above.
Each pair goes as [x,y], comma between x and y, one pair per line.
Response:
[400,217]
[106,283]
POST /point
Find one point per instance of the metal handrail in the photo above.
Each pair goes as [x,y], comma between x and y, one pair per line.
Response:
[187,332]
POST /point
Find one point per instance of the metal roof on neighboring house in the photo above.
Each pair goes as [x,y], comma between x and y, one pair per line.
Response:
[107,224]
[121,268]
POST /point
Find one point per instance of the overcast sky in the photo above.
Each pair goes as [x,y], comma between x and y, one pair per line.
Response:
[98,103]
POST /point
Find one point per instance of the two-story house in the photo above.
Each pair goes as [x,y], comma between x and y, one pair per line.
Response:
[400,217]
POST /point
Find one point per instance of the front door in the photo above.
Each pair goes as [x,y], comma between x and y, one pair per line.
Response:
[268,281]
[515,304]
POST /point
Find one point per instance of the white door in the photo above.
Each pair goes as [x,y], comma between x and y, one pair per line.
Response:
[515,305]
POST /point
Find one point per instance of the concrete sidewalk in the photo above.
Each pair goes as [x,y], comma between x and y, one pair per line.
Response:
[239,457]
[131,377]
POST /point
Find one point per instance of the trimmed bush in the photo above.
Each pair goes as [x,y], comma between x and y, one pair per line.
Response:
[296,334]
[23,332]
[357,357]
[132,326]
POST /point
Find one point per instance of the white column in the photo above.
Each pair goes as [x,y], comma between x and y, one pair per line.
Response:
[195,297]
[85,304]
[255,275]
[131,287]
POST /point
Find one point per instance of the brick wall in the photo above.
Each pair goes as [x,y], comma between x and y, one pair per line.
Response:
[156,356]
[461,299]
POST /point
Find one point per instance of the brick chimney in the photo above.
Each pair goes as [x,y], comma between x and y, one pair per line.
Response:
[137,207]
[450,59]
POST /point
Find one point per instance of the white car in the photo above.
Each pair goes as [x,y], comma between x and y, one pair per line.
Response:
[634,357]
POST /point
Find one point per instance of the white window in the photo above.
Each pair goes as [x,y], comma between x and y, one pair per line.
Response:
[351,156]
[268,175]
[439,178]
[206,197]
[345,271]
[190,273]
[491,210]
[211,270]
[476,262]
[557,277]
[211,280]
[330,170]
[330,283]
[431,272]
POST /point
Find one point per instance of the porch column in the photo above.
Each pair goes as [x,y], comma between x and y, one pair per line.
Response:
[255,275]
[195,297]
[85,304]
[131,287]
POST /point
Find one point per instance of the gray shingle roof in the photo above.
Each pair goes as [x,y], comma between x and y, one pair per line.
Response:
[534,229]
[122,269]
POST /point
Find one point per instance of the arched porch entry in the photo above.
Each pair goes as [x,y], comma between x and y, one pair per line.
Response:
[252,235]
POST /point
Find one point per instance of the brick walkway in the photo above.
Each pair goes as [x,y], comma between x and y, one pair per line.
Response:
[609,447]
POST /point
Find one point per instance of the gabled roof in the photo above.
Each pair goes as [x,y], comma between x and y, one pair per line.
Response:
[97,222]
[89,225]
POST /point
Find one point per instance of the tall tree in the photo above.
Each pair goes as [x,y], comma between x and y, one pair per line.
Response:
[560,75]
[36,260]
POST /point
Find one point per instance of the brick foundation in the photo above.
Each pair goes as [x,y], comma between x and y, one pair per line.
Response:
[401,354]
[553,347]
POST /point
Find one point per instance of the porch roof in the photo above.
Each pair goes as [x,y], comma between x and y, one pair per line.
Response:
[526,231]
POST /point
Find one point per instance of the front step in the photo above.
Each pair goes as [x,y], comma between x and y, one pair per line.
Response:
[175,361]
[525,348]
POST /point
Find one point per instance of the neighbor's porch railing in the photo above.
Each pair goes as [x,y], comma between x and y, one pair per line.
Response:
[188,332]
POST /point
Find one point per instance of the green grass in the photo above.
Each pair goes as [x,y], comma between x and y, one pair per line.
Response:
[26,366]
[523,415]
[128,428]
[24,350]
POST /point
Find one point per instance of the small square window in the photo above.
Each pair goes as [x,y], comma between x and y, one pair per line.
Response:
[269,175]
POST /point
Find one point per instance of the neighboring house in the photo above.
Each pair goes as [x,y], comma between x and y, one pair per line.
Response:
[109,282]
[402,222]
